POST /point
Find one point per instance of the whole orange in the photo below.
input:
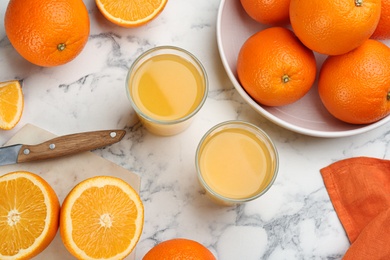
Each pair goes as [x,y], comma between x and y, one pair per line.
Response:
[355,87]
[47,32]
[382,31]
[275,68]
[334,27]
[179,248]
[272,12]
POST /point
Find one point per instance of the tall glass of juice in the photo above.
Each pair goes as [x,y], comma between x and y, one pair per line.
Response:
[166,87]
[236,162]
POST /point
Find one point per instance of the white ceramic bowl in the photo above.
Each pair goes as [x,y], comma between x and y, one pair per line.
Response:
[306,116]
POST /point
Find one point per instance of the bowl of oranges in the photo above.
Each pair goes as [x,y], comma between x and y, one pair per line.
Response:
[303,78]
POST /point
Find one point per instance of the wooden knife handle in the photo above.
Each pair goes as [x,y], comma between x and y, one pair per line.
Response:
[69,144]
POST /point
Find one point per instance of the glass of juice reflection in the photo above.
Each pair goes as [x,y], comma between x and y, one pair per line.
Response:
[167,86]
[236,162]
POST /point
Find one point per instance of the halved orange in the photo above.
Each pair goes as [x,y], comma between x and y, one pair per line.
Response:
[29,211]
[130,13]
[101,218]
[11,104]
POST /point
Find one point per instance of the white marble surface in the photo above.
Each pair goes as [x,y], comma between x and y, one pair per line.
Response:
[293,220]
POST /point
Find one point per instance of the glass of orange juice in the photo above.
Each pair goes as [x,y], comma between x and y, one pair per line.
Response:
[166,86]
[236,162]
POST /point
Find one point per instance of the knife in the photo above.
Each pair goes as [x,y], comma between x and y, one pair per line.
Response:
[59,146]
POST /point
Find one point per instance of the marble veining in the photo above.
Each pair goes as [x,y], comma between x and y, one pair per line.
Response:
[293,220]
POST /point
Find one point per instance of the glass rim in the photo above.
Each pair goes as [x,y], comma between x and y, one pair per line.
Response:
[258,130]
[189,57]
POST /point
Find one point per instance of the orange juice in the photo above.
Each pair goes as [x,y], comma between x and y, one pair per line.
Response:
[167,86]
[236,162]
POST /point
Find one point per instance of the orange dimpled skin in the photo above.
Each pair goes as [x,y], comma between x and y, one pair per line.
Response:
[272,12]
[47,32]
[179,248]
[275,68]
[334,27]
[382,31]
[355,87]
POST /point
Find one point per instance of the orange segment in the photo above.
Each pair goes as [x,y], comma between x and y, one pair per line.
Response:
[130,13]
[29,211]
[11,104]
[101,218]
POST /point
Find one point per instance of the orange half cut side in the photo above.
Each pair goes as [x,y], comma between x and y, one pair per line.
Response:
[29,211]
[101,218]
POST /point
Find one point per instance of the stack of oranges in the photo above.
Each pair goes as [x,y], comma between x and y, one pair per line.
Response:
[277,66]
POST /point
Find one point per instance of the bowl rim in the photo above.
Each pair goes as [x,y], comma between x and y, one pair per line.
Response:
[258,108]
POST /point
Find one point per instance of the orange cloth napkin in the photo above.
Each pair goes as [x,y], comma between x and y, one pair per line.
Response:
[359,189]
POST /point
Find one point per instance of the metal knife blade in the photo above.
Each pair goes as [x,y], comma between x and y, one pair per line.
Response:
[9,153]
[59,146]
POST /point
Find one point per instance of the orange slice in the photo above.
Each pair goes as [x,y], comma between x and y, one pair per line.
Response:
[101,218]
[29,211]
[130,13]
[11,104]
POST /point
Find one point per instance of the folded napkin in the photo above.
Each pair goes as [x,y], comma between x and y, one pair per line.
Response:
[359,189]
